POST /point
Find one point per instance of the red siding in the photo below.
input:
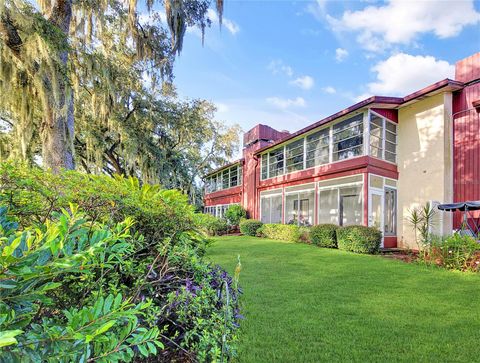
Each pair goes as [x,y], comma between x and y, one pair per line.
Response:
[466,138]
[392,115]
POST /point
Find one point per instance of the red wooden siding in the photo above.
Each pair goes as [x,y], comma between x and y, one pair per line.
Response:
[392,115]
[466,146]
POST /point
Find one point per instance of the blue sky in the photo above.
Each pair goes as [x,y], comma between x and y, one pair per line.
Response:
[289,64]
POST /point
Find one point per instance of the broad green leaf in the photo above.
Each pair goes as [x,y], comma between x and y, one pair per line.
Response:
[105,327]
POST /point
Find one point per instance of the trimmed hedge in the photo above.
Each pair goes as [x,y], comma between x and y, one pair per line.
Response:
[250,227]
[359,239]
[283,232]
[324,235]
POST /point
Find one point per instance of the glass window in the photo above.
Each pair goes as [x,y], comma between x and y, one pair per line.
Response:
[328,206]
[294,155]
[264,166]
[351,208]
[348,138]
[299,208]
[271,209]
[276,163]
[318,148]
[234,176]
[390,212]
[226,179]
[376,136]
[383,138]
[240,174]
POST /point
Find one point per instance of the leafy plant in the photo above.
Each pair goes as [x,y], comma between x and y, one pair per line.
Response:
[422,220]
[324,235]
[38,268]
[234,214]
[211,225]
[250,227]
[359,239]
[456,252]
[156,259]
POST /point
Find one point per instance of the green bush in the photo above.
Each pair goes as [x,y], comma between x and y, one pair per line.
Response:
[324,235]
[82,260]
[211,225]
[359,239]
[249,227]
[234,214]
[283,232]
[456,252]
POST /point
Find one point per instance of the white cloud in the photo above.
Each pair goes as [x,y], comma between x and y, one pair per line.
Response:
[277,67]
[304,82]
[329,90]
[341,54]
[402,74]
[221,107]
[285,103]
[231,26]
[401,22]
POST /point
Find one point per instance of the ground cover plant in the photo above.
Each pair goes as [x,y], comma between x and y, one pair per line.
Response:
[103,269]
[308,304]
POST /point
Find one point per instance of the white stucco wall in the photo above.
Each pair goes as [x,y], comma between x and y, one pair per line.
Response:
[424,161]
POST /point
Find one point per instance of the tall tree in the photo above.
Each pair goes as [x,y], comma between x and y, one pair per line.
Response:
[51,48]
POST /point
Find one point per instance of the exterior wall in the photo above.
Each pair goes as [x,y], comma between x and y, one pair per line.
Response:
[466,134]
[226,196]
[424,160]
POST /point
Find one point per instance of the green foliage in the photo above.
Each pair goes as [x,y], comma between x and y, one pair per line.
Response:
[95,77]
[283,232]
[136,241]
[324,235]
[359,239]
[421,220]
[456,252]
[211,225]
[40,266]
[250,227]
[234,214]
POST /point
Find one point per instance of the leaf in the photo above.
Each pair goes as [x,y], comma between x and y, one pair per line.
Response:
[107,304]
[7,337]
[105,327]
[152,348]
[143,350]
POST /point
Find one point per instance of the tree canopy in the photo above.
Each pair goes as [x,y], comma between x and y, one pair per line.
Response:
[89,84]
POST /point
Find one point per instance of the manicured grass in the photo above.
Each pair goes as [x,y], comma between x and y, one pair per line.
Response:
[306,304]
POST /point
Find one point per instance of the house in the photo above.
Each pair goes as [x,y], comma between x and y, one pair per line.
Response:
[368,164]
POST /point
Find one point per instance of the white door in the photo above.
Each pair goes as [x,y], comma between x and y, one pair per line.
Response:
[375,210]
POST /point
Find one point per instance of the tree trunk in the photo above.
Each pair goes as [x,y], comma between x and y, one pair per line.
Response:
[58,124]
[57,135]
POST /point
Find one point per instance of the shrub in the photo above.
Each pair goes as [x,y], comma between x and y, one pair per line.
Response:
[211,225]
[324,235]
[234,214]
[456,252]
[359,239]
[249,227]
[46,308]
[283,232]
[155,265]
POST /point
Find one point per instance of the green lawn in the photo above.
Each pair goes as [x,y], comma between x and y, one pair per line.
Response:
[306,304]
